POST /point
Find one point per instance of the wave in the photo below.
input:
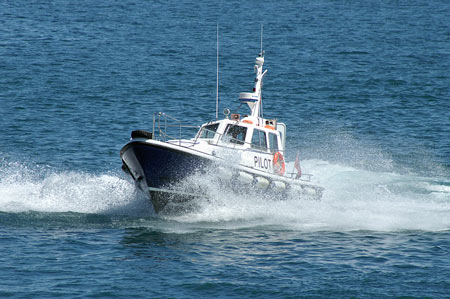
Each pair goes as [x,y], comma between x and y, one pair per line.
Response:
[353,199]
[31,188]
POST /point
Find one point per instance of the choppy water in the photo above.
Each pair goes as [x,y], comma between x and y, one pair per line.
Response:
[363,88]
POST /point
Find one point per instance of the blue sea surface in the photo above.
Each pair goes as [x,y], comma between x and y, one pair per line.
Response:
[363,87]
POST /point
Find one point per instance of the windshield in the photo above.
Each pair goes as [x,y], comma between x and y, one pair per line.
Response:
[235,134]
[208,131]
[259,140]
[273,142]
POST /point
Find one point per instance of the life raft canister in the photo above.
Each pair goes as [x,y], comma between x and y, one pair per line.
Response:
[279,166]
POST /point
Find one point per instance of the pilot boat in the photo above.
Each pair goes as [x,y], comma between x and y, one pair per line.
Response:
[246,152]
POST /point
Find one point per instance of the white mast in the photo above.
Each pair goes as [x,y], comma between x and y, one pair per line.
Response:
[254,99]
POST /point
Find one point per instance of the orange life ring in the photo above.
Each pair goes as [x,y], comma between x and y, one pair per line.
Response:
[279,167]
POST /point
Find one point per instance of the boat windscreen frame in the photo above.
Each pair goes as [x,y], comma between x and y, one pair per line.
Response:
[205,129]
[273,139]
[234,138]
[257,144]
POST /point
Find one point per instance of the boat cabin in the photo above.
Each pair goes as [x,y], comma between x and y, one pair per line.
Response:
[261,135]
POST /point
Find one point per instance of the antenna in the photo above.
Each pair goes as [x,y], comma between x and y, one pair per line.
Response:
[262,55]
[262,26]
[217,83]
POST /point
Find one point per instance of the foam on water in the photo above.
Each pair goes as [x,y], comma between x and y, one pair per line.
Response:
[353,199]
[31,188]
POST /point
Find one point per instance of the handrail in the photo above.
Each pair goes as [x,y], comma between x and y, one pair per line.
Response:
[308,179]
[163,121]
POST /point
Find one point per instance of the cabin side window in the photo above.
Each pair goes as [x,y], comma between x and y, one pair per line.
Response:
[235,134]
[209,131]
[273,140]
[259,140]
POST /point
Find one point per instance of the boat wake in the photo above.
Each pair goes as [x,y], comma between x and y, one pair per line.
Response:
[31,188]
[353,199]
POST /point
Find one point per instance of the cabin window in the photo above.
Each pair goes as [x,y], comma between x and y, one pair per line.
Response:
[235,134]
[209,131]
[273,140]
[259,140]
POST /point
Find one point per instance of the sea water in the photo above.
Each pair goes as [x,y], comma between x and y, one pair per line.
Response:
[362,86]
